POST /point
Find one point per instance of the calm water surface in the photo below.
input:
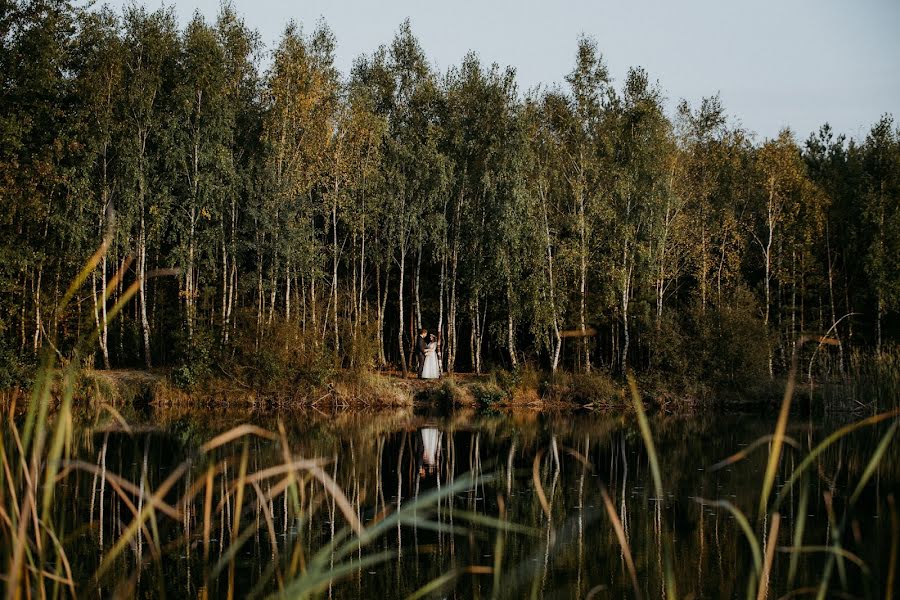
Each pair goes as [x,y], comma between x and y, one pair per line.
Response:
[567,547]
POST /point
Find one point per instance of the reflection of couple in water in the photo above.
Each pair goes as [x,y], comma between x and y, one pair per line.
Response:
[428,449]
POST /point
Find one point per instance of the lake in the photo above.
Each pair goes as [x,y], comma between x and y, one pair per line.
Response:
[495,505]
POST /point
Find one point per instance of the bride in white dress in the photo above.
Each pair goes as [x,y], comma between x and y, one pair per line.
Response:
[432,367]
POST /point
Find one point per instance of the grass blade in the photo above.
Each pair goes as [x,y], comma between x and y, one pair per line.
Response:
[644,424]
[434,585]
[834,550]
[828,441]
[235,433]
[745,527]
[892,558]
[623,542]
[799,528]
[745,452]
[874,461]
[778,436]
[538,488]
[763,588]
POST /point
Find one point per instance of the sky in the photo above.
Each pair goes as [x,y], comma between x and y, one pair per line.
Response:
[774,63]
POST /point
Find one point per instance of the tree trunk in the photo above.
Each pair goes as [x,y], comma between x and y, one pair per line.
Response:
[627,268]
[362,271]
[233,276]
[418,278]
[880,315]
[451,325]
[583,296]
[831,298]
[703,266]
[189,274]
[287,292]
[273,282]
[557,345]
[440,326]
[400,345]
[118,291]
[104,334]
[625,329]
[260,297]
[793,294]
[104,325]
[768,299]
[36,292]
[225,276]
[510,325]
[101,338]
[334,269]
[142,291]
[473,316]
[480,326]
[382,306]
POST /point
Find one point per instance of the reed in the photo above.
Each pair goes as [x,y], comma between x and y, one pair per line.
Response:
[205,485]
[776,442]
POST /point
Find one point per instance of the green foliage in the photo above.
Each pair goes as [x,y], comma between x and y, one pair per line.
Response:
[723,349]
[360,347]
[507,380]
[14,372]
[284,363]
[734,346]
[487,394]
[196,358]
[594,389]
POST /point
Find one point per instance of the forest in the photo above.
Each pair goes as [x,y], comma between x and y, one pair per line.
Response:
[270,217]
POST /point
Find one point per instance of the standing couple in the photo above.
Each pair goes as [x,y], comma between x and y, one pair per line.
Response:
[427,356]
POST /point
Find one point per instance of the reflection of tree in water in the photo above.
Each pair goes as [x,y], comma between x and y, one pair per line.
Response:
[379,464]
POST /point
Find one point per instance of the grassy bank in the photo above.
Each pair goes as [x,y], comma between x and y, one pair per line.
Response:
[868,382]
[350,389]
[535,390]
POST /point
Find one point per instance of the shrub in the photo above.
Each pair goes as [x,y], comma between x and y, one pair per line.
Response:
[282,359]
[360,352]
[194,360]
[14,372]
[508,381]
[587,389]
[594,389]
[522,385]
[370,388]
[734,345]
[487,394]
[720,349]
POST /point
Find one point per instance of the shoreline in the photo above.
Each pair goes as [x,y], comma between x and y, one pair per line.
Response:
[347,390]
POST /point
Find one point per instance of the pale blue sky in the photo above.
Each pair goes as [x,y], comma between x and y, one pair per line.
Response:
[774,62]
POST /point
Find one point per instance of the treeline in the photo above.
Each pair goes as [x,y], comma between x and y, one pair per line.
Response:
[314,216]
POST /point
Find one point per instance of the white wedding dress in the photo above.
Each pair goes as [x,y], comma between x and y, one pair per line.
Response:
[432,368]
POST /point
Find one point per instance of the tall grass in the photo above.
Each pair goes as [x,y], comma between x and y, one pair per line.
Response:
[760,536]
[871,381]
[215,485]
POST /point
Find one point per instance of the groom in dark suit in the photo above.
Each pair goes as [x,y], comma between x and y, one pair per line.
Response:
[421,343]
